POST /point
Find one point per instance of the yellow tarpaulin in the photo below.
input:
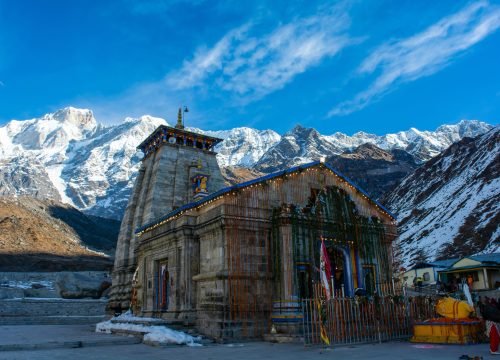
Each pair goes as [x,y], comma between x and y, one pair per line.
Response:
[453,309]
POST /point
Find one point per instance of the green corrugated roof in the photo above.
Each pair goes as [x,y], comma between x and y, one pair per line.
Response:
[485,260]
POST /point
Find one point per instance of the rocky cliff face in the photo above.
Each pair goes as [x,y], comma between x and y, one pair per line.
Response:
[298,146]
[67,155]
[375,170]
[237,174]
[449,206]
[24,175]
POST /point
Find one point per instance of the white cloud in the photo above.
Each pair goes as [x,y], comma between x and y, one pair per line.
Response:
[253,66]
[423,54]
[206,61]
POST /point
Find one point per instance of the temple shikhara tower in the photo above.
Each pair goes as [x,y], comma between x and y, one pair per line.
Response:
[178,167]
[234,261]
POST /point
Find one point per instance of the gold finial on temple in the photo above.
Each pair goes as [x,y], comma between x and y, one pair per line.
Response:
[179,125]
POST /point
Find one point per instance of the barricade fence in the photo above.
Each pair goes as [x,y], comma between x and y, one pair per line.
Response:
[362,319]
[383,289]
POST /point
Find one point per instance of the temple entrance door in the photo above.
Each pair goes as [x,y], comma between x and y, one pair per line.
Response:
[369,278]
[337,264]
[162,286]
[341,269]
[305,281]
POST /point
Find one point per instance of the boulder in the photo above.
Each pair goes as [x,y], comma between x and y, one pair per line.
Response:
[79,286]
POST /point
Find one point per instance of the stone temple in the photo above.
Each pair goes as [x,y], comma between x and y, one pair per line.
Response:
[235,261]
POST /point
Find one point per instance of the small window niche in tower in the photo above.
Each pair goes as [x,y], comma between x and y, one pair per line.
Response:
[200,185]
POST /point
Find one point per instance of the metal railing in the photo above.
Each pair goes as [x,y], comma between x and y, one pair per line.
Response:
[363,320]
[382,289]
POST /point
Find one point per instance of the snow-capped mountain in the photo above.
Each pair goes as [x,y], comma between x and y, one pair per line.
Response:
[242,146]
[49,134]
[93,167]
[422,144]
[99,172]
[298,146]
[450,206]
[25,175]
[301,145]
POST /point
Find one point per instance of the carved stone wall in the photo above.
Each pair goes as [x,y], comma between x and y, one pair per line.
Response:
[221,258]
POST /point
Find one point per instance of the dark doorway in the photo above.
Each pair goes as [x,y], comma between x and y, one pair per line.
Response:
[369,278]
[305,280]
[337,262]
[162,286]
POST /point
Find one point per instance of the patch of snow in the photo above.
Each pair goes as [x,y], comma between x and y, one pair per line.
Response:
[164,335]
[154,333]
[97,252]
[18,284]
[54,172]
[446,162]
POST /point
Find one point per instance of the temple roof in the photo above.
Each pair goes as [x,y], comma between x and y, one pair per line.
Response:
[215,195]
[168,130]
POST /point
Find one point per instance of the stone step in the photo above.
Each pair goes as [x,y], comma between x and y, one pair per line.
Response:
[33,307]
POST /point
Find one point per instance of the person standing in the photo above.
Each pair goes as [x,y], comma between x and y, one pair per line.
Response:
[493,334]
[492,317]
[470,281]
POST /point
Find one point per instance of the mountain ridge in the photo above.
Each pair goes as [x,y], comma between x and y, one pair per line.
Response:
[46,235]
[449,206]
[93,167]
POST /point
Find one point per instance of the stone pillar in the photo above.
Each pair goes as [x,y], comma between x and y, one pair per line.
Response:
[288,290]
[287,310]
[191,261]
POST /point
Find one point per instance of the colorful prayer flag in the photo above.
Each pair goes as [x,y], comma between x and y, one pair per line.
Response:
[325,270]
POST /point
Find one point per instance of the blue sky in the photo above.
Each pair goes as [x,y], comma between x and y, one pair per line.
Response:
[378,66]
